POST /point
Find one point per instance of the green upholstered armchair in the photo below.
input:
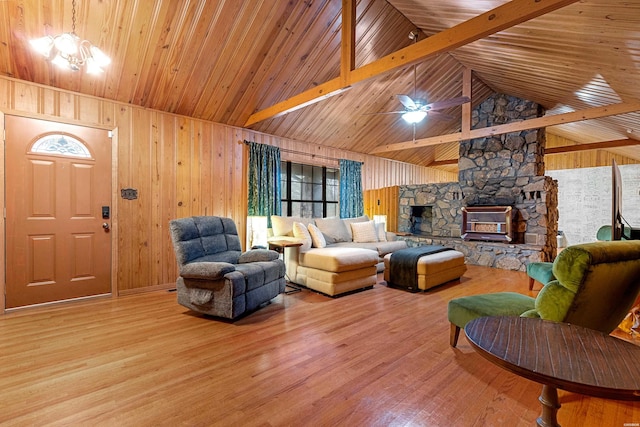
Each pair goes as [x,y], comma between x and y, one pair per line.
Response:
[542,272]
[595,286]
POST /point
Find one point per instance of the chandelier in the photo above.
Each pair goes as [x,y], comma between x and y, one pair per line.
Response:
[68,51]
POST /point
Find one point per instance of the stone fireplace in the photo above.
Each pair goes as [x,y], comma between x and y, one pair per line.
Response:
[501,170]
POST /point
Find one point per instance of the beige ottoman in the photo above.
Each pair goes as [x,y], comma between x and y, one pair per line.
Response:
[334,271]
[435,269]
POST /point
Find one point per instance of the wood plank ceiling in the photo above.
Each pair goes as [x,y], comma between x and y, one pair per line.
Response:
[225,60]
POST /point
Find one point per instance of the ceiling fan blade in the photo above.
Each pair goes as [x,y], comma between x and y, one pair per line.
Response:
[384,112]
[407,101]
[438,115]
[447,103]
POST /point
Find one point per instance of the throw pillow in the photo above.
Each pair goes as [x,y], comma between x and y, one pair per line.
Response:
[300,232]
[317,238]
[334,230]
[380,232]
[364,232]
[348,222]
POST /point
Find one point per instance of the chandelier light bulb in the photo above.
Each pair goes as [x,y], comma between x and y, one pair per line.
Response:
[42,45]
[59,61]
[93,67]
[67,43]
[102,60]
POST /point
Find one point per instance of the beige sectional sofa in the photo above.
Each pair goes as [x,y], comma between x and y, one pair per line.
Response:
[337,255]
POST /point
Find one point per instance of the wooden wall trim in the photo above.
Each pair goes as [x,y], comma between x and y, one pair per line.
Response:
[2,217]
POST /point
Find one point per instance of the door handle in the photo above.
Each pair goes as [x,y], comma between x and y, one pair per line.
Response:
[105,226]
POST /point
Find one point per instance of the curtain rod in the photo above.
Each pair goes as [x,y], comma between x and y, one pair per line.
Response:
[287,150]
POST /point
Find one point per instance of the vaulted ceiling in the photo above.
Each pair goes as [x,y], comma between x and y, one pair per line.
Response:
[226,60]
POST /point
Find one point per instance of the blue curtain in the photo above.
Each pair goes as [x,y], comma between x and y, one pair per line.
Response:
[351,199]
[265,193]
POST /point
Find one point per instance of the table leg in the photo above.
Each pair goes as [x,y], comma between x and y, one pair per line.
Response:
[293,288]
[288,283]
[550,406]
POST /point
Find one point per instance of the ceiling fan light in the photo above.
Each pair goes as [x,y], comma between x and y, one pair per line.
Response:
[414,116]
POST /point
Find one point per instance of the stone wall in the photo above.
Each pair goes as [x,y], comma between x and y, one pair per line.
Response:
[445,200]
[501,170]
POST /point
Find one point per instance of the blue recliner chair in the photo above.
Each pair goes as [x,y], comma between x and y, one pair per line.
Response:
[216,278]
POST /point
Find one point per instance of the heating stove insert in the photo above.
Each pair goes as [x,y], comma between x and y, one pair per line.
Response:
[493,223]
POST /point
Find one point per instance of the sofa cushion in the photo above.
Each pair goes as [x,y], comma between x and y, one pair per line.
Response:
[317,238]
[381,248]
[364,232]
[283,225]
[344,276]
[300,231]
[381,233]
[338,259]
[334,230]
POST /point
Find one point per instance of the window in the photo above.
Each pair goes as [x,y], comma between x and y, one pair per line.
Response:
[63,145]
[310,191]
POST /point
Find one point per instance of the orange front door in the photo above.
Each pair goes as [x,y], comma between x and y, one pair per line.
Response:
[58,179]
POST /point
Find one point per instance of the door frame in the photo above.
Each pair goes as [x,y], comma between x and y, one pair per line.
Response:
[114,203]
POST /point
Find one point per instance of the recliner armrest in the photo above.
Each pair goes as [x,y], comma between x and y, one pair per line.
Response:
[256,255]
[206,270]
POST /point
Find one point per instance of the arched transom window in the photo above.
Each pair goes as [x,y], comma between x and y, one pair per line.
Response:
[62,145]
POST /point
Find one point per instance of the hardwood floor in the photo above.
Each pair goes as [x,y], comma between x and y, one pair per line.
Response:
[375,358]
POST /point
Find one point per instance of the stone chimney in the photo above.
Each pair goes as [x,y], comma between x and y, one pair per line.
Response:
[508,170]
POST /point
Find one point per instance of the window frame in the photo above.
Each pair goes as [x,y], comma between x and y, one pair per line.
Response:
[287,201]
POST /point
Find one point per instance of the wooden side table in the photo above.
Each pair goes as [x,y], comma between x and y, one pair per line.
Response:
[559,355]
[280,246]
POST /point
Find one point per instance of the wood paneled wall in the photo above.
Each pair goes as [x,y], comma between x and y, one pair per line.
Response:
[180,167]
[580,159]
[383,201]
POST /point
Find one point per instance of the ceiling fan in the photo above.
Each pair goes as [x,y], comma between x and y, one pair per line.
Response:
[415,109]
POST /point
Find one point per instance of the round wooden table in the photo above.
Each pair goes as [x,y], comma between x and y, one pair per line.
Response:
[559,355]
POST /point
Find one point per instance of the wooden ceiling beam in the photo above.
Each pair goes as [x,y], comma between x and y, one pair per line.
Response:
[447,162]
[348,41]
[540,122]
[592,146]
[502,17]
[466,107]
[563,149]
